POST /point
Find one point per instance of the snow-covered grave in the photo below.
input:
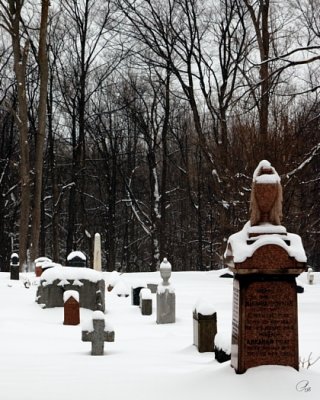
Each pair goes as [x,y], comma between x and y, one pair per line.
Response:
[77,259]
[146,301]
[43,359]
[97,331]
[204,325]
[88,282]
[71,300]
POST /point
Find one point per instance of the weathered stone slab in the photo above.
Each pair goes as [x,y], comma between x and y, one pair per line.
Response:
[87,282]
[204,331]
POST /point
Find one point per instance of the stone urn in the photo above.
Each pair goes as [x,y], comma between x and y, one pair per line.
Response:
[165,272]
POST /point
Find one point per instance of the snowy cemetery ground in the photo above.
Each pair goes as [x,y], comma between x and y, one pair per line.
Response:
[42,359]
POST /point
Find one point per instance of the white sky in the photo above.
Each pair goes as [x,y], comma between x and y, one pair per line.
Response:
[42,359]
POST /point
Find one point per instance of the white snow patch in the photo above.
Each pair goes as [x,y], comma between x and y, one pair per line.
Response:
[265,178]
[76,253]
[76,282]
[241,250]
[162,289]
[121,288]
[70,293]
[70,273]
[203,307]
[63,282]
[223,342]
[113,278]
[145,294]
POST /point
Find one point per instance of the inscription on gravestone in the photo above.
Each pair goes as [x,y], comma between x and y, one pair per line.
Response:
[270,323]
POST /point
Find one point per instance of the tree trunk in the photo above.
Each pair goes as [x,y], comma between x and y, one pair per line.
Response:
[41,133]
[20,60]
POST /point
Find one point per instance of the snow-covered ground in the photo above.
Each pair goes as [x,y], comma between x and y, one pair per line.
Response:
[42,359]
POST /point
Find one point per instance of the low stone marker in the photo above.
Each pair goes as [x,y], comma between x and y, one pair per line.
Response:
[146,301]
[71,307]
[135,295]
[14,266]
[310,276]
[97,332]
[166,298]
[204,327]
[39,262]
[153,287]
[222,347]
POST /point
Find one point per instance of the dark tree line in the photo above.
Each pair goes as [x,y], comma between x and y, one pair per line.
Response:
[156,117]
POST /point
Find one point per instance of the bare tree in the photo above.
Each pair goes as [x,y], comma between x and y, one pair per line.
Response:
[41,132]
[11,17]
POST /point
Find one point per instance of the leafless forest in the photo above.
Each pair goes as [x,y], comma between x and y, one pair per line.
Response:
[144,120]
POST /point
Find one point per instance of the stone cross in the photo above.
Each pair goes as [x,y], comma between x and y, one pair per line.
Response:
[97,334]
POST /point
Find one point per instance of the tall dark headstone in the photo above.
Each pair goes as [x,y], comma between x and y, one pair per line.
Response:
[265,260]
[14,266]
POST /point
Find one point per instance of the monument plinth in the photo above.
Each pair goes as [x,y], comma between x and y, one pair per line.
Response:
[265,259]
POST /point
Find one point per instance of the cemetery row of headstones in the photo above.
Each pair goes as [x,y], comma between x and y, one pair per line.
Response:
[74,259]
[265,260]
[205,323]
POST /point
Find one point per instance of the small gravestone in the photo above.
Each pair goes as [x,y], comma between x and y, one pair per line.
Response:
[39,264]
[97,332]
[71,307]
[14,266]
[153,287]
[310,276]
[222,347]
[204,327]
[265,260]
[146,301]
[76,259]
[135,295]
[166,298]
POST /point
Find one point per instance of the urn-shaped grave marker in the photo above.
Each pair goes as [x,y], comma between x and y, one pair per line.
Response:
[166,298]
